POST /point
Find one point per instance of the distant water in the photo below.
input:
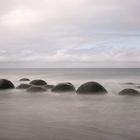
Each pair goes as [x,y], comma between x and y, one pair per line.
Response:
[55,116]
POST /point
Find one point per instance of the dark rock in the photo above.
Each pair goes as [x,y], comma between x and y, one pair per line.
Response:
[91,88]
[6,84]
[36,89]
[23,86]
[50,86]
[38,82]
[24,79]
[130,83]
[129,91]
[70,84]
[64,87]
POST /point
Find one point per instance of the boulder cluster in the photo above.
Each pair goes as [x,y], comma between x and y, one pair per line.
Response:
[42,86]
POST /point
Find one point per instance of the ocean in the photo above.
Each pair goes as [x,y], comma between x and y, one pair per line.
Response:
[57,116]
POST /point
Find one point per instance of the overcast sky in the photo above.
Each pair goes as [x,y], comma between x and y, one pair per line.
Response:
[70,33]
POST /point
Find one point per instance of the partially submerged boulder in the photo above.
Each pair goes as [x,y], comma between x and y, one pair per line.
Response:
[38,82]
[50,86]
[36,89]
[129,91]
[91,88]
[129,83]
[6,84]
[23,86]
[64,87]
[24,79]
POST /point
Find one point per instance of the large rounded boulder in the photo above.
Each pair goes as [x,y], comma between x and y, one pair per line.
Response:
[6,84]
[38,82]
[23,86]
[24,79]
[64,87]
[91,88]
[36,89]
[129,91]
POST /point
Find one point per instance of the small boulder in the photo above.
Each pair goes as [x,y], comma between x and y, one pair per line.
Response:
[129,91]
[91,88]
[129,83]
[50,86]
[24,79]
[38,82]
[23,86]
[6,84]
[64,87]
[36,89]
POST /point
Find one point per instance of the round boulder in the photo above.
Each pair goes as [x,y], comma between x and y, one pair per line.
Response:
[36,89]
[6,84]
[64,87]
[38,82]
[129,91]
[91,88]
[50,86]
[24,79]
[23,86]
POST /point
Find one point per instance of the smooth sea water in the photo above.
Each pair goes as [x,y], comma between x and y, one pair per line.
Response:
[57,116]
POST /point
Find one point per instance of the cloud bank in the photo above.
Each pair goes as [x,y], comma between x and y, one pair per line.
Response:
[69,33]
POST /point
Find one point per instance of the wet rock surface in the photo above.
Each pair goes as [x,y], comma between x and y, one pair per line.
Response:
[129,91]
[64,87]
[6,84]
[91,88]
[24,79]
[38,82]
[36,89]
[23,86]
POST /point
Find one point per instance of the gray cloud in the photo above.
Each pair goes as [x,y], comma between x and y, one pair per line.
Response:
[78,33]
